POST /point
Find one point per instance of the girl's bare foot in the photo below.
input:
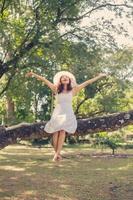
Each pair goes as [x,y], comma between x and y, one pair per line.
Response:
[57,157]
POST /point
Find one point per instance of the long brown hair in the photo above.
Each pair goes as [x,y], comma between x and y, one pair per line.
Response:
[61,86]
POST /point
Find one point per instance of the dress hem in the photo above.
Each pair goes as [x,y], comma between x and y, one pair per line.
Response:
[60,130]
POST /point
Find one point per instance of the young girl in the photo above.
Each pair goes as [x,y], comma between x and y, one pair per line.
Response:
[63,118]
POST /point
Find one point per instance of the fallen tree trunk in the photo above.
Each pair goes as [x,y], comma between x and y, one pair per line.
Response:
[25,131]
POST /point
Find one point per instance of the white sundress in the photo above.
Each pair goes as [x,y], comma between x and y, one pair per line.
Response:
[63,117]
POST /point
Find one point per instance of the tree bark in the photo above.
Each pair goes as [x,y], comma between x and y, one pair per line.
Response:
[10,112]
[25,131]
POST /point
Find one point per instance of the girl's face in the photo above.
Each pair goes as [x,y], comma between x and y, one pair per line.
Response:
[64,79]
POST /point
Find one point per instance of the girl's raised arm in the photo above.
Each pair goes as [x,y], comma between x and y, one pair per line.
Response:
[47,82]
[90,81]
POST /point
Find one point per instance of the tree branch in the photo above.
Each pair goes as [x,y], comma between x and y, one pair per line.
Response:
[3,7]
[8,83]
[94,9]
[25,131]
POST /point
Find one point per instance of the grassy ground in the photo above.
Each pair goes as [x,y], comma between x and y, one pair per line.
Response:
[28,173]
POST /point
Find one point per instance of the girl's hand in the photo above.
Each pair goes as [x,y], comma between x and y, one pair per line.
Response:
[102,75]
[29,74]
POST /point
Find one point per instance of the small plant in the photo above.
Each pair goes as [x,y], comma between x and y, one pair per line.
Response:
[111,141]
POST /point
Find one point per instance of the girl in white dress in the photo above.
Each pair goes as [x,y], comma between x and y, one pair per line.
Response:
[63,118]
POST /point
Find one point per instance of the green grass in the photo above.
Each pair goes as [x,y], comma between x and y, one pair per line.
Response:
[28,173]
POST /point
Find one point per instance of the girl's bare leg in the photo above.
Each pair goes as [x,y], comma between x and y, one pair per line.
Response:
[55,140]
[55,143]
[60,143]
